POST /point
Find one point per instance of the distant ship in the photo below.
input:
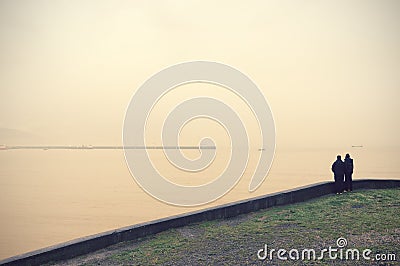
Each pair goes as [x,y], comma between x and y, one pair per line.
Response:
[357,146]
[261,149]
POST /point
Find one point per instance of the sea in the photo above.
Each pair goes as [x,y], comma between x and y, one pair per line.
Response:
[53,196]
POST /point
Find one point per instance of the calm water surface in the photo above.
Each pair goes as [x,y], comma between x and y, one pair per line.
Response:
[48,197]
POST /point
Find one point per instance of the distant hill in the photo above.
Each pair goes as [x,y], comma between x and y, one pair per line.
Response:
[10,136]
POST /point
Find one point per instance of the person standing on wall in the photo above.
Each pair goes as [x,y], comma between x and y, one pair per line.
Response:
[338,169]
[349,167]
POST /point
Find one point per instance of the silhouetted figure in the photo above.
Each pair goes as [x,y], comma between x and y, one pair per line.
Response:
[338,169]
[348,172]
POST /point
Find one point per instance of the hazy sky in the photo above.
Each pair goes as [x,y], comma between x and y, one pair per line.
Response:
[329,69]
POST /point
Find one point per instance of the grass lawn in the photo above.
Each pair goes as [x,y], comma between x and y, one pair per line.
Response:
[366,219]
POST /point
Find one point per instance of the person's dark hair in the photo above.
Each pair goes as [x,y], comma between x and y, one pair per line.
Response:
[347,155]
[339,157]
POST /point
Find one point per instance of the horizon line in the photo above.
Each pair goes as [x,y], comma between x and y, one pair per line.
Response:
[92,147]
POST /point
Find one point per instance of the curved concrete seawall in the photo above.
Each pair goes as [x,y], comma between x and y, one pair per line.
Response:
[95,242]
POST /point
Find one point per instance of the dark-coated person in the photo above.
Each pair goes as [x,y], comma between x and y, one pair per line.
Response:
[348,173]
[338,169]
